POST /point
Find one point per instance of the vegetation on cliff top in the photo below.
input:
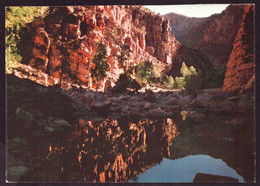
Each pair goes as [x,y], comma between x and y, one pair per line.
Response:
[15,20]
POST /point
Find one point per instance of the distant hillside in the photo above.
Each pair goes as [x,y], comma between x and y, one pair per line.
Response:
[212,36]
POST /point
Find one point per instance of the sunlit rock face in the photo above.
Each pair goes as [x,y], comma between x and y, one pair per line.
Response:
[212,36]
[112,150]
[240,75]
[64,42]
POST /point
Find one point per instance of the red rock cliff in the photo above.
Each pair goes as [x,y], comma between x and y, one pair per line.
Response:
[64,42]
[240,75]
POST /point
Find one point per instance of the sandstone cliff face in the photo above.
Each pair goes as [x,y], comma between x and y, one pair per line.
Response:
[240,75]
[65,41]
[212,36]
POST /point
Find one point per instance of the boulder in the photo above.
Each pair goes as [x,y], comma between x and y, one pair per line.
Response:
[204,97]
[185,100]
[156,114]
[150,96]
[58,125]
[22,115]
[171,101]
[14,173]
[197,117]
[48,129]
[99,106]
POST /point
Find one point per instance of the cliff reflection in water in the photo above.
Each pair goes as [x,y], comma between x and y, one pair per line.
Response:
[113,150]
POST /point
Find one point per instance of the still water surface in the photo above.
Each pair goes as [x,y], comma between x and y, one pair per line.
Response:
[185,169]
[129,149]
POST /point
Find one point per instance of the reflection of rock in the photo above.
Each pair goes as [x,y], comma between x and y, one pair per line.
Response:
[201,177]
[233,141]
[109,151]
[17,145]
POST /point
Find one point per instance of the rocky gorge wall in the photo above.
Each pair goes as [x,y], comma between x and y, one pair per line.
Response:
[240,75]
[64,42]
[225,39]
[212,36]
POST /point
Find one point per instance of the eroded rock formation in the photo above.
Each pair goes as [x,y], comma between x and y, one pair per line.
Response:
[64,42]
[240,75]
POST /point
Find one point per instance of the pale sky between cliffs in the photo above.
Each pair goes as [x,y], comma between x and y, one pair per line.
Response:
[196,10]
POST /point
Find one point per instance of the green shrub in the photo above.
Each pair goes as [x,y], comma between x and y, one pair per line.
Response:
[190,78]
[209,76]
[145,72]
[101,62]
[192,81]
[179,82]
[166,81]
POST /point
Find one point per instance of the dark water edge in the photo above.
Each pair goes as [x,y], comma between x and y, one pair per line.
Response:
[50,138]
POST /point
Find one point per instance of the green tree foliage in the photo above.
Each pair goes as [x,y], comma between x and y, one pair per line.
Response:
[179,82]
[190,78]
[101,62]
[147,73]
[15,19]
[212,76]
[209,76]
[165,81]
[184,69]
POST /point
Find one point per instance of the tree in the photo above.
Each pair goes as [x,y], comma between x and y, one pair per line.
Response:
[146,72]
[184,69]
[179,82]
[100,61]
[190,78]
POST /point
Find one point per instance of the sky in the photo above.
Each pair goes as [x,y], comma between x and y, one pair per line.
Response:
[195,10]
